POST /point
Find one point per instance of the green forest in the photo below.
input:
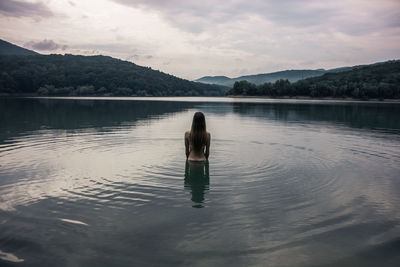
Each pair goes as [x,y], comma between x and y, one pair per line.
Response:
[377,81]
[70,75]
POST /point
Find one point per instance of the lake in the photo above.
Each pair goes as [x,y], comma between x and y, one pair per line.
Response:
[104,182]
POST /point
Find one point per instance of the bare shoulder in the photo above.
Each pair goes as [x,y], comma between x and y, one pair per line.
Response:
[187,133]
[208,135]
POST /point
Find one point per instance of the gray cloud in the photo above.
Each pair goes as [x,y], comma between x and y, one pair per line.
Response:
[191,16]
[138,57]
[194,16]
[198,16]
[132,57]
[46,45]
[24,9]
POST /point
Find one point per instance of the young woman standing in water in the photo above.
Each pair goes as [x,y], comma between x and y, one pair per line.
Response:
[197,140]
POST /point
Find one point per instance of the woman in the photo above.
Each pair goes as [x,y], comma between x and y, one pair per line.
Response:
[197,140]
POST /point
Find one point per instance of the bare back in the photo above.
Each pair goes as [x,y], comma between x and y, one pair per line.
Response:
[197,155]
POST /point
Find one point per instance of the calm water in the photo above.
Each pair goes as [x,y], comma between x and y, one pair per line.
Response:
[105,183]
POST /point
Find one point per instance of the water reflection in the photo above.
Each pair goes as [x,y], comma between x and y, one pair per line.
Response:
[355,115]
[197,179]
[20,115]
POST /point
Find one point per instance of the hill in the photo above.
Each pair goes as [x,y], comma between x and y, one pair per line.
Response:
[221,80]
[379,80]
[291,75]
[7,48]
[258,79]
[92,75]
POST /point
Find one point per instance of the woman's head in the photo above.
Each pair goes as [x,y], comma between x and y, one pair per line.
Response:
[199,122]
[198,134]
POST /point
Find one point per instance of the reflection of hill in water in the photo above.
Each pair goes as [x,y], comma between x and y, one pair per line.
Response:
[23,115]
[357,115]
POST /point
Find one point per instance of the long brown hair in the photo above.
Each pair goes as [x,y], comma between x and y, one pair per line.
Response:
[198,133]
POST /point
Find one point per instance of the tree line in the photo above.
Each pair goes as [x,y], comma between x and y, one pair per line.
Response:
[381,80]
[70,75]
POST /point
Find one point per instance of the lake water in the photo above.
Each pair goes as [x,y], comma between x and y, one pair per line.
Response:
[104,182]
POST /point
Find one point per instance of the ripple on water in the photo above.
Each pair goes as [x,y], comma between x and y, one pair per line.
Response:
[235,166]
[272,186]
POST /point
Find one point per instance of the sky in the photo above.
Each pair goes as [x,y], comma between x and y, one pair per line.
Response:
[192,38]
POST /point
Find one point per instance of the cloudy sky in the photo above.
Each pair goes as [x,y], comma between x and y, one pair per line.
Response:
[192,38]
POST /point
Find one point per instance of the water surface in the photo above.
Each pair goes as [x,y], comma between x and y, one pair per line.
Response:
[104,182]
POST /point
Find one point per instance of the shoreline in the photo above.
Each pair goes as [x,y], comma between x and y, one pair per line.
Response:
[348,99]
[233,97]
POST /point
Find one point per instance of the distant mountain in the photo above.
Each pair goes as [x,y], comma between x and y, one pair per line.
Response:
[258,79]
[7,48]
[92,75]
[291,75]
[214,80]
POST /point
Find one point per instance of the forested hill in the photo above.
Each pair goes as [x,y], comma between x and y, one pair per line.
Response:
[7,48]
[291,75]
[258,79]
[92,75]
[380,80]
